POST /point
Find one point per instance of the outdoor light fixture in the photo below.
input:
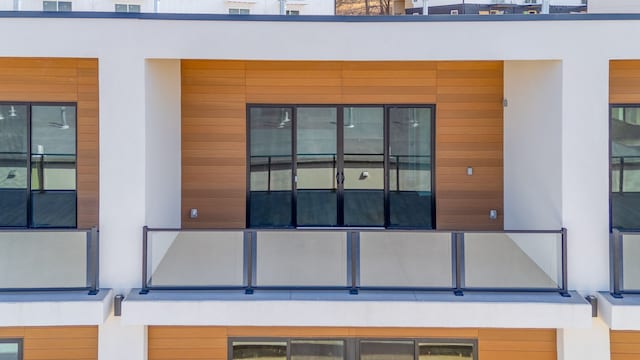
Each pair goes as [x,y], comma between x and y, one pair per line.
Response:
[12,111]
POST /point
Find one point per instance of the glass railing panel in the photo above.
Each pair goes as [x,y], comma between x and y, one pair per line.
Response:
[301,258]
[631,262]
[195,258]
[405,259]
[43,259]
[513,260]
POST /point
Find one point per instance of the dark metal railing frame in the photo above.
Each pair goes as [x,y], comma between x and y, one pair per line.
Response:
[353,286]
[93,261]
[616,263]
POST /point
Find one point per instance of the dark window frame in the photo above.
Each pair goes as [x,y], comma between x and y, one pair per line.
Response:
[352,345]
[340,114]
[29,105]
[18,341]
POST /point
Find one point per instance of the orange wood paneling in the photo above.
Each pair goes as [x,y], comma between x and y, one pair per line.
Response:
[63,80]
[469,128]
[624,81]
[57,342]
[193,342]
[625,345]
[468,98]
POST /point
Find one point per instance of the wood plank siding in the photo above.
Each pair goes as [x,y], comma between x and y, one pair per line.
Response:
[624,82]
[193,342]
[56,342]
[625,345]
[469,118]
[63,80]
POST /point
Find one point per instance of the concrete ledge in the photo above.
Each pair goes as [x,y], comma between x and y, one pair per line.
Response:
[620,314]
[373,309]
[54,308]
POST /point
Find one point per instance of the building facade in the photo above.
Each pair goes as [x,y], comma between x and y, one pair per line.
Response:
[184,188]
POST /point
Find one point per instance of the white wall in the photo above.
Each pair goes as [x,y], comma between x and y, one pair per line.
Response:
[163,147]
[614,6]
[584,344]
[532,145]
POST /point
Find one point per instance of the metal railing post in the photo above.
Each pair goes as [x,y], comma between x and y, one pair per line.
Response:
[145,247]
[354,262]
[94,260]
[459,256]
[616,259]
[249,246]
[564,290]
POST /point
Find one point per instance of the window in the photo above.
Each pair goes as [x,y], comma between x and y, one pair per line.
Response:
[293,12]
[625,166]
[234,11]
[56,5]
[353,349]
[361,166]
[11,349]
[37,165]
[127,8]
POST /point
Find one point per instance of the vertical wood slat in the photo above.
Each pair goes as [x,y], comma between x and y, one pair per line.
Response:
[193,342]
[63,80]
[469,119]
[56,342]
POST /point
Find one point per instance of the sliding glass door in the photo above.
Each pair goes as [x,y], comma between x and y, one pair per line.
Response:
[340,166]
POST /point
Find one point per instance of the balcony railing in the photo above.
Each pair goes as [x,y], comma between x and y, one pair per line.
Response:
[354,260]
[625,266]
[49,260]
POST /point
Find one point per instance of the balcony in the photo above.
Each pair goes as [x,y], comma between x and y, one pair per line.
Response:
[354,260]
[355,277]
[50,277]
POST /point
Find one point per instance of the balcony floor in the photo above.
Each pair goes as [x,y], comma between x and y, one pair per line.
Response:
[368,308]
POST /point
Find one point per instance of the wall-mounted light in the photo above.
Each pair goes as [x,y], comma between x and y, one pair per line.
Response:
[12,111]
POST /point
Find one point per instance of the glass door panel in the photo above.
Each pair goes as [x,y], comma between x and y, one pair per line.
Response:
[317,166]
[410,167]
[363,166]
[13,165]
[271,164]
[53,166]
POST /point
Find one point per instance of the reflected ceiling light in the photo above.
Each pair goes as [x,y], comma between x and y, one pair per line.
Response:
[61,125]
[12,111]
[285,120]
[1,116]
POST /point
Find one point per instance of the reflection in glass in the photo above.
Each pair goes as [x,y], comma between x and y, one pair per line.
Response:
[270,166]
[444,351]
[410,165]
[13,165]
[386,350]
[53,166]
[363,166]
[268,350]
[316,166]
[625,167]
[317,349]
[9,351]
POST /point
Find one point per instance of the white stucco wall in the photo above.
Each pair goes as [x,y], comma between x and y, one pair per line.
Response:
[614,6]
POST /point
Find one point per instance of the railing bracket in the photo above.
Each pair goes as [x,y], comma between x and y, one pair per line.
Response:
[94,291]
[144,292]
[616,296]
[565,294]
[248,291]
[458,293]
[353,291]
